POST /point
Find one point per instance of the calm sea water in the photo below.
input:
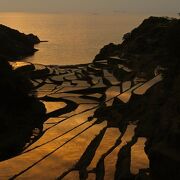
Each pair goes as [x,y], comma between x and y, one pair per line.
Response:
[72,38]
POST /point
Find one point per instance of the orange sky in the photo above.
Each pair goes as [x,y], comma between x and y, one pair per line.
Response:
[150,6]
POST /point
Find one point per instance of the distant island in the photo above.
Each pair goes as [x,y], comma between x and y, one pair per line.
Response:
[145,68]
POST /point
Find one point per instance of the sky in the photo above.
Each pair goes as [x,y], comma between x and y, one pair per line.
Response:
[150,6]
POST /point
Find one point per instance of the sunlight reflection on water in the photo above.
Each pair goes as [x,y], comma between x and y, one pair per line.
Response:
[73,38]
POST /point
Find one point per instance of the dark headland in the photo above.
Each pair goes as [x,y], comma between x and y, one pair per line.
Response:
[149,56]
[16,45]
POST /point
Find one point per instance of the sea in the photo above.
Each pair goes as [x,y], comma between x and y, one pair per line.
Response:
[73,38]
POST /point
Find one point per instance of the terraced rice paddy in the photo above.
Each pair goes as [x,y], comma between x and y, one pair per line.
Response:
[74,143]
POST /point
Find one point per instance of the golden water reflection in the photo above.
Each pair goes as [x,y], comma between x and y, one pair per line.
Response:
[74,38]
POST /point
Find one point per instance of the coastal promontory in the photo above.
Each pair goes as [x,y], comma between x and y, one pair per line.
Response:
[15,45]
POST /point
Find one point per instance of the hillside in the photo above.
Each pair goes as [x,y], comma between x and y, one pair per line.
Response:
[150,49]
[15,45]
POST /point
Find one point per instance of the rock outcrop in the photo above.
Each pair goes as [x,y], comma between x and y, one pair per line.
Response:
[154,42]
[15,45]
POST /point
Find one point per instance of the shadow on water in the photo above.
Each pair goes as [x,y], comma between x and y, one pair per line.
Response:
[29,115]
[50,153]
[86,158]
[70,106]
[25,141]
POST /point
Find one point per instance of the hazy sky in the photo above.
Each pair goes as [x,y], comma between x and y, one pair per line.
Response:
[157,6]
